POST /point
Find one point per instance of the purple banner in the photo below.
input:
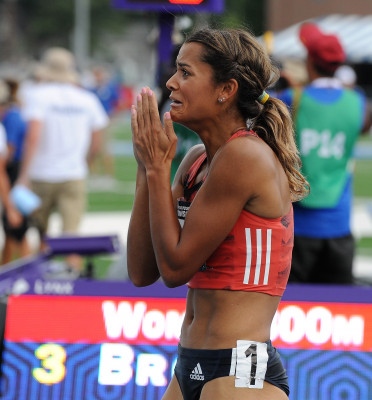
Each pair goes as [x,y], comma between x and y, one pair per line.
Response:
[89,287]
[174,6]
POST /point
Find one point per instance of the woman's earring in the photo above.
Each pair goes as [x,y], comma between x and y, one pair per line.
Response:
[221,100]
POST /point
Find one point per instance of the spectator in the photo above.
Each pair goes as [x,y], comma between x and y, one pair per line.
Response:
[64,131]
[328,120]
[14,217]
[29,85]
[107,91]
[16,244]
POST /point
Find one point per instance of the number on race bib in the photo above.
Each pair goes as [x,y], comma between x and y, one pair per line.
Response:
[252,352]
[251,364]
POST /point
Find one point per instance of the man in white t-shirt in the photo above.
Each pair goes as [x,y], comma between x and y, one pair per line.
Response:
[65,126]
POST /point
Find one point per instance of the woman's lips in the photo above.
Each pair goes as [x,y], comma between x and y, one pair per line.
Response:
[175,102]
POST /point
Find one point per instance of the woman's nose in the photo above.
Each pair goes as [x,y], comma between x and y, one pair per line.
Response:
[171,83]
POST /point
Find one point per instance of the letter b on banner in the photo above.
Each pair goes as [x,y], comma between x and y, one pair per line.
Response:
[115,364]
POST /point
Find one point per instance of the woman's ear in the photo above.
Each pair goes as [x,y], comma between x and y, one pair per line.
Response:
[229,89]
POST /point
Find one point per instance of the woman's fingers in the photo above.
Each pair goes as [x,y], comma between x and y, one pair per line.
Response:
[146,111]
[152,142]
[154,108]
[168,126]
[140,119]
[133,120]
[169,131]
[134,126]
[151,105]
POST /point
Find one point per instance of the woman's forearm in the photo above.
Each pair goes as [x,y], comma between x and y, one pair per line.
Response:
[164,225]
[142,267]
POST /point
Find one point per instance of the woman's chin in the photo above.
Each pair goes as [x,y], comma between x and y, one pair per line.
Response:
[176,117]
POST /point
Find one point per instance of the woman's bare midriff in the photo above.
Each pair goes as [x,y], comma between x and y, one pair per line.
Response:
[216,319]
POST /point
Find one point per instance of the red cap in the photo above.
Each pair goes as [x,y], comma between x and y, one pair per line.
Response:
[325,50]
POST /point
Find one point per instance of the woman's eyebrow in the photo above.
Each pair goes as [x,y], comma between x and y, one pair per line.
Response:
[180,64]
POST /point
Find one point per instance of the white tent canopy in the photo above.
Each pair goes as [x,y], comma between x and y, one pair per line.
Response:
[354,32]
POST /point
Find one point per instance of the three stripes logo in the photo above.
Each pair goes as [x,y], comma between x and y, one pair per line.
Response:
[197,373]
[258,242]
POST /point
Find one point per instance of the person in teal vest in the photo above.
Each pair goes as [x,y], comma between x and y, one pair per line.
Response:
[328,120]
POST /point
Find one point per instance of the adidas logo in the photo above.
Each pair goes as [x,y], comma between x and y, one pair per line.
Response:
[197,373]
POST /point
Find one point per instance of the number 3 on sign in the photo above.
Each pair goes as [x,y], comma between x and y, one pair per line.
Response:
[53,357]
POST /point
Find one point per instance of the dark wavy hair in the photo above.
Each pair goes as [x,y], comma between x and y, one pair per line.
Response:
[237,54]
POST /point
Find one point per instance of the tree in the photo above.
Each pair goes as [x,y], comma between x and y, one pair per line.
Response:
[243,13]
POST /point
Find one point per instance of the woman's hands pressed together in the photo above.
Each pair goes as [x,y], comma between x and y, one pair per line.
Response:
[154,145]
[153,213]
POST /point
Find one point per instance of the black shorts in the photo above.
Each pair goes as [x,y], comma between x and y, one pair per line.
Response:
[250,362]
[327,261]
[12,170]
[17,233]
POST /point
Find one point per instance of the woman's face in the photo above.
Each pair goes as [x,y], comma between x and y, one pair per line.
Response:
[194,93]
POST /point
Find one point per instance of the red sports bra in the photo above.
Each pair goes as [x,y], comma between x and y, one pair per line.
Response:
[255,256]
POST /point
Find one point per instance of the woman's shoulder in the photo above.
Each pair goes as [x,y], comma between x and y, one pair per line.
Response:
[191,156]
[246,160]
[245,148]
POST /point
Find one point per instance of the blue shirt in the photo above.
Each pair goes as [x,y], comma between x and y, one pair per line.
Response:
[323,223]
[15,127]
[108,96]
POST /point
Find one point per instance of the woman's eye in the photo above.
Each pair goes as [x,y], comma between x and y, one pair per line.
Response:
[184,72]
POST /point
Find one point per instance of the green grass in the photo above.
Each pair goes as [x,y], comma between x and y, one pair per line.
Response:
[364,246]
[101,266]
[119,198]
[363,192]
[363,172]
[120,128]
[125,169]
[363,179]
[108,201]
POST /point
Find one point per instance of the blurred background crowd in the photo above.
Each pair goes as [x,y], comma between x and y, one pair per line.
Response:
[76,66]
